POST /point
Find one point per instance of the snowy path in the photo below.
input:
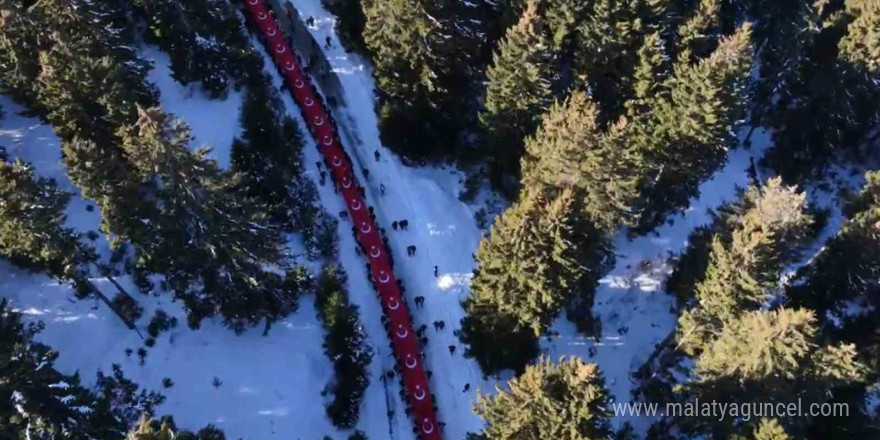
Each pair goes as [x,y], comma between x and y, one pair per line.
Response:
[635,311]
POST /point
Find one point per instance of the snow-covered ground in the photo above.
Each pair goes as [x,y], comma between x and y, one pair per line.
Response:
[271,386]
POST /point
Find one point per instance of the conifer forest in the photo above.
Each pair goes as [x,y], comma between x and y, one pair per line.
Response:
[439,219]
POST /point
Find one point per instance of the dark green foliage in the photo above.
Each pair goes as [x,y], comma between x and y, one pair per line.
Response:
[541,256]
[160,322]
[497,341]
[519,87]
[790,360]
[350,23]
[32,231]
[269,155]
[39,402]
[565,401]
[825,99]
[429,58]
[690,266]
[204,234]
[203,39]
[649,163]
[345,344]
[846,272]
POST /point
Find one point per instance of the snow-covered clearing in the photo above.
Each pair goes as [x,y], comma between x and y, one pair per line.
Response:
[271,386]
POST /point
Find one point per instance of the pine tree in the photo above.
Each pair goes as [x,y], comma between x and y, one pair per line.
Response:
[429,58]
[768,357]
[770,429]
[824,100]
[565,401]
[699,35]
[519,87]
[345,344]
[861,44]
[607,43]
[515,272]
[165,429]
[203,39]
[204,233]
[570,149]
[541,256]
[32,231]
[496,341]
[845,272]
[686,134]
[41,403]
[746,259]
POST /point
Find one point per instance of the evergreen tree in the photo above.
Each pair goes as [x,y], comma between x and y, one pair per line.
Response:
[607,43]
[824,103]
[32,231]
[689,127]
[769,227]
[165,429]
[519,87]
[268,154]
[204,234]
[571,149]
[845,272]
[770,357]
[429,57]
[861,44]
[540,257]
[345,344]
[699,35]
[495,340]
[514,271]
[770,429]
[203,39]
[41,403]
[565,401]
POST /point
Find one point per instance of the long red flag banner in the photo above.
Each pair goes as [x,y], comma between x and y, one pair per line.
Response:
[399,321]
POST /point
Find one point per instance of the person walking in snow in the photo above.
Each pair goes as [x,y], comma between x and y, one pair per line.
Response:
[382,188]
[366,173]
[394,225]
[404,224]
[467,387]
[411,250]
[435,271]
[376,155]
[329,42]
[452,349]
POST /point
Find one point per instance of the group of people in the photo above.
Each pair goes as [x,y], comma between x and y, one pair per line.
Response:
[325,169]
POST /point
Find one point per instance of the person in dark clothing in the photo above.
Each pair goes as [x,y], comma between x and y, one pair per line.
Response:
[329,42]
[394,225]
[404,224]
[411,250]
[435,271]
[376,155]
[452,349]
[366,173]
[382,188]
[467,387]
